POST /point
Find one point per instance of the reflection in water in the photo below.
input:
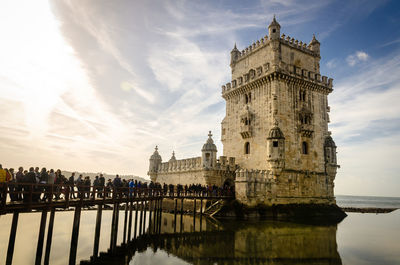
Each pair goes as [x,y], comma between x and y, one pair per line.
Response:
[246,243]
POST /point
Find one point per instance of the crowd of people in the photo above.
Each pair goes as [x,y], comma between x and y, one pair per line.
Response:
[41,185]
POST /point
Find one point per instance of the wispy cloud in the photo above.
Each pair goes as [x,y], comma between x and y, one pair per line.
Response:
[357,57]
[364,114]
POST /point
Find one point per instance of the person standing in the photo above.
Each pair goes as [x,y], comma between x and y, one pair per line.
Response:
[71,182]
[29,180]
[3,176]
[102,183]
[19,180]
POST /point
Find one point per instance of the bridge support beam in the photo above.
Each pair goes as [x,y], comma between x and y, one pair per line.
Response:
[136,218]
[130,222]
[97,231]
[181,227]
[11,241]
[39,249]
[49,237]
[75,235]
[124,240]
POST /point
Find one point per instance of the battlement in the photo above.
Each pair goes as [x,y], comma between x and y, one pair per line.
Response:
[181,165]
[299,45]
[252,176]
[264,70]
[287,40]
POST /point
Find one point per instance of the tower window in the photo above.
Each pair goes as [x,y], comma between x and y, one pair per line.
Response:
[246,99]
[275,143]
[302,95]
[273,30]
[247,148]
[304,148]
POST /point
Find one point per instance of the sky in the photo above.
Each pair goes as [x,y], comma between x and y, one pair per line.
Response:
[94,85]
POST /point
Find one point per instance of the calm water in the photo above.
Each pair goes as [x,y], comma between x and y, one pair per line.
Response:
[358,239]
[367,201]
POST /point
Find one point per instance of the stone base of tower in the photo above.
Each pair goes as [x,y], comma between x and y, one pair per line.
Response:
[302,213]
[291,194]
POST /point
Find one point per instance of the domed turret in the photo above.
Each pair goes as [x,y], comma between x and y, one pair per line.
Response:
[155,162]
[314,45]
[173,158]
[209,153]
[235,53]
[330,150]
[276,149]
[331,165]
[274,30]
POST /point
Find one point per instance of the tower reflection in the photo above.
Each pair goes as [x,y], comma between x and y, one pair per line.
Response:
[261,242]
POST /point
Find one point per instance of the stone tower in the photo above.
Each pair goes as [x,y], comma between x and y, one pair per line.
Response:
[277,113]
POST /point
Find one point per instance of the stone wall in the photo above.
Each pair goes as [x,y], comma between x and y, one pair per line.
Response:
[253,187]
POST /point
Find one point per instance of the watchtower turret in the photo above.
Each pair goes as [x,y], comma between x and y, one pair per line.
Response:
[209,153]
[276,150]
[330,156]
[274,30]
[314,45]
[235,53]
[155,162]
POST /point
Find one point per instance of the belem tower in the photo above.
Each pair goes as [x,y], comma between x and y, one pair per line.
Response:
[276,144]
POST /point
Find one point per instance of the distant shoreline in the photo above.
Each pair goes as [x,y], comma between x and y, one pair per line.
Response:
[367,210]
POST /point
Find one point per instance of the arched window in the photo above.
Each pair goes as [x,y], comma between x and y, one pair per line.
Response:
[304,148]
[246,99]
[247,148]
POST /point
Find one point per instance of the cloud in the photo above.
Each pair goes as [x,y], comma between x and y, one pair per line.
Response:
[332,63]
[365,117]
[357,57]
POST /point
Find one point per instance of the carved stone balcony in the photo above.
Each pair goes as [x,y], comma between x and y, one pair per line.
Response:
[306,130]
[246,131]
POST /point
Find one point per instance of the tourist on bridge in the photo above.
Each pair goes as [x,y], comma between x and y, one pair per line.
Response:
[108,188]
[29,180]
[2,180]
[96,186]
[102,183]
[70,183]
[19,180]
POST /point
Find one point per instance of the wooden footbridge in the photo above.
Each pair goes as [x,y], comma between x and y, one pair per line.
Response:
[135,202]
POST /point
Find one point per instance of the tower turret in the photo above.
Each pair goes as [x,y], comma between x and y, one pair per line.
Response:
[276,150]
[209,153]
[274,30]
[173,158]
[155,162]
[330,156]
[314,45]
[235,53]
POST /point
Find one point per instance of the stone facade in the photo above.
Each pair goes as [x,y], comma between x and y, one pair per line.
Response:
[204,170]
[275,128]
